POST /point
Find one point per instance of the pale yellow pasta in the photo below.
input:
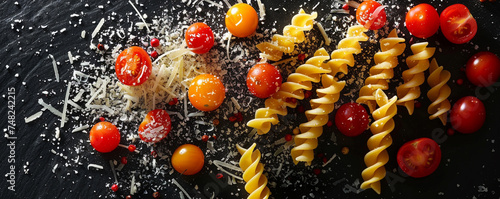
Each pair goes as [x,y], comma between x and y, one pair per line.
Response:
[381,139]
[256,182]
[292,34]
[317,117]
[439,92]
[292,89]
[385,60]
[414,76]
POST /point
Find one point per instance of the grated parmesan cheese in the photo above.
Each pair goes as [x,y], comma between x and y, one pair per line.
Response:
[33,117]
[325,36]
[63,118]
[98,27]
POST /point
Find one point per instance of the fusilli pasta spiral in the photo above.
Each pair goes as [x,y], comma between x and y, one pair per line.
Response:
[414,76]
[439,92]
[292,34]
[256,182]
[317,117]
[381,139]
[386,59]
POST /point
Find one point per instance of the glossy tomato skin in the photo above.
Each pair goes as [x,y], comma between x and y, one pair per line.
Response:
[419,158]
[241,20]
[133,66]
[206,92]
[483,69]
[188,159]
[422,20]
[199,37]
[365,12]
[155,126]
[457,24]
[468,115]
[351,119]
[104,137]
[263,80]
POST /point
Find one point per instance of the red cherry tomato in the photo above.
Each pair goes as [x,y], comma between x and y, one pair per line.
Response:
[483,69]
[133,66]
[104,137]
[419,158]
[422,20]
[467,115]
[241,20]
[263,80]
[155,126]
[200,38]
[206,92]
[351,119]
[188,159]
[371,15]
[457,24]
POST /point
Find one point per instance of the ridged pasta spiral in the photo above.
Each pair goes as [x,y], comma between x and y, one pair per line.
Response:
[414,76]
[293,88]
[381,139]
[317,117]
[292,34]
[439,92]
[385,60]
[256,182]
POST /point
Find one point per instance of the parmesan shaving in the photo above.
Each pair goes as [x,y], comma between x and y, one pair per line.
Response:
[180,187]
[33,117]
[236,104]
[104,107]
[221,165]
[94,166]
[196,114]
[262,10]
[49,107]
[331,159]
[133,187]
[70,57]
[80,128]
[83,34]
[227,3]
[98,28]
[140,16]
[65,106]
[215,4]
[105,82]
[54,64]
[70,102]
[113,170]
[325,36]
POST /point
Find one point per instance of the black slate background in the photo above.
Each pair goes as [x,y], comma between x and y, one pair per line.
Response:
[468,160]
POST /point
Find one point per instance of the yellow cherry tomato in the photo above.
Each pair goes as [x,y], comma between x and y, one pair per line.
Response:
[188,159]
[242,20]
[206,92]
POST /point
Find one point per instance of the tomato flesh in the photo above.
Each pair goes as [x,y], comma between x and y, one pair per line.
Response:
[133,66]
[457,24]
[422,20]
[351,119]
[368,15]
[155,126]
[263,80]
[199,37]
[483,69]
[419,158]
[206,92]
[188,159]
[468,115]
[241,20]
[104,137]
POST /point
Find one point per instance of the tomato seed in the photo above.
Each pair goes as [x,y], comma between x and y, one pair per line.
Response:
[219,176]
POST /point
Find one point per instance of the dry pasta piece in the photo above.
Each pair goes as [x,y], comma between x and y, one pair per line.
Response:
[292,89]
[292,34]
[256,182]
[414,76]
[386,59]
[381,139]
[439,92]
[317,117]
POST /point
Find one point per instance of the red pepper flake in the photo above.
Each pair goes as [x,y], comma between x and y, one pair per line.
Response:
[316,171]
[301,109]
[154,54]
[232,118]
[219,176]
[128,197]
[173,101]
[154,154]
[291,100]
[131,148]
[324,160]
[156,194]
[320,155]
[215,137]
[450,131]
[100,46]
[215,122]
[102,119]
[258,60]
[307,94]
[418,104]
[412,41]
[301,57]
[155,42]
[329,123]
[460,81]
[346,7]
[205,138]
[239,116]
[114,187]
[288,137]
[124,160]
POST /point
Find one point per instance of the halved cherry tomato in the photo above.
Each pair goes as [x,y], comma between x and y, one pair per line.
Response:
[422,20]
[104,137]
[468,115]
[263,80]
[371,14]
[241,20]
[483,69]
[199,37]
[457,24]
[133,66]
[206,92]
[419,158]
[155,126]
[351,119]
[188,159]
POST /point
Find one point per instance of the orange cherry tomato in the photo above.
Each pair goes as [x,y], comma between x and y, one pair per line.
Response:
[155,126]
[104,137]
[133,66]
[188,159]
[199,37]
[242,20]
[206,92]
